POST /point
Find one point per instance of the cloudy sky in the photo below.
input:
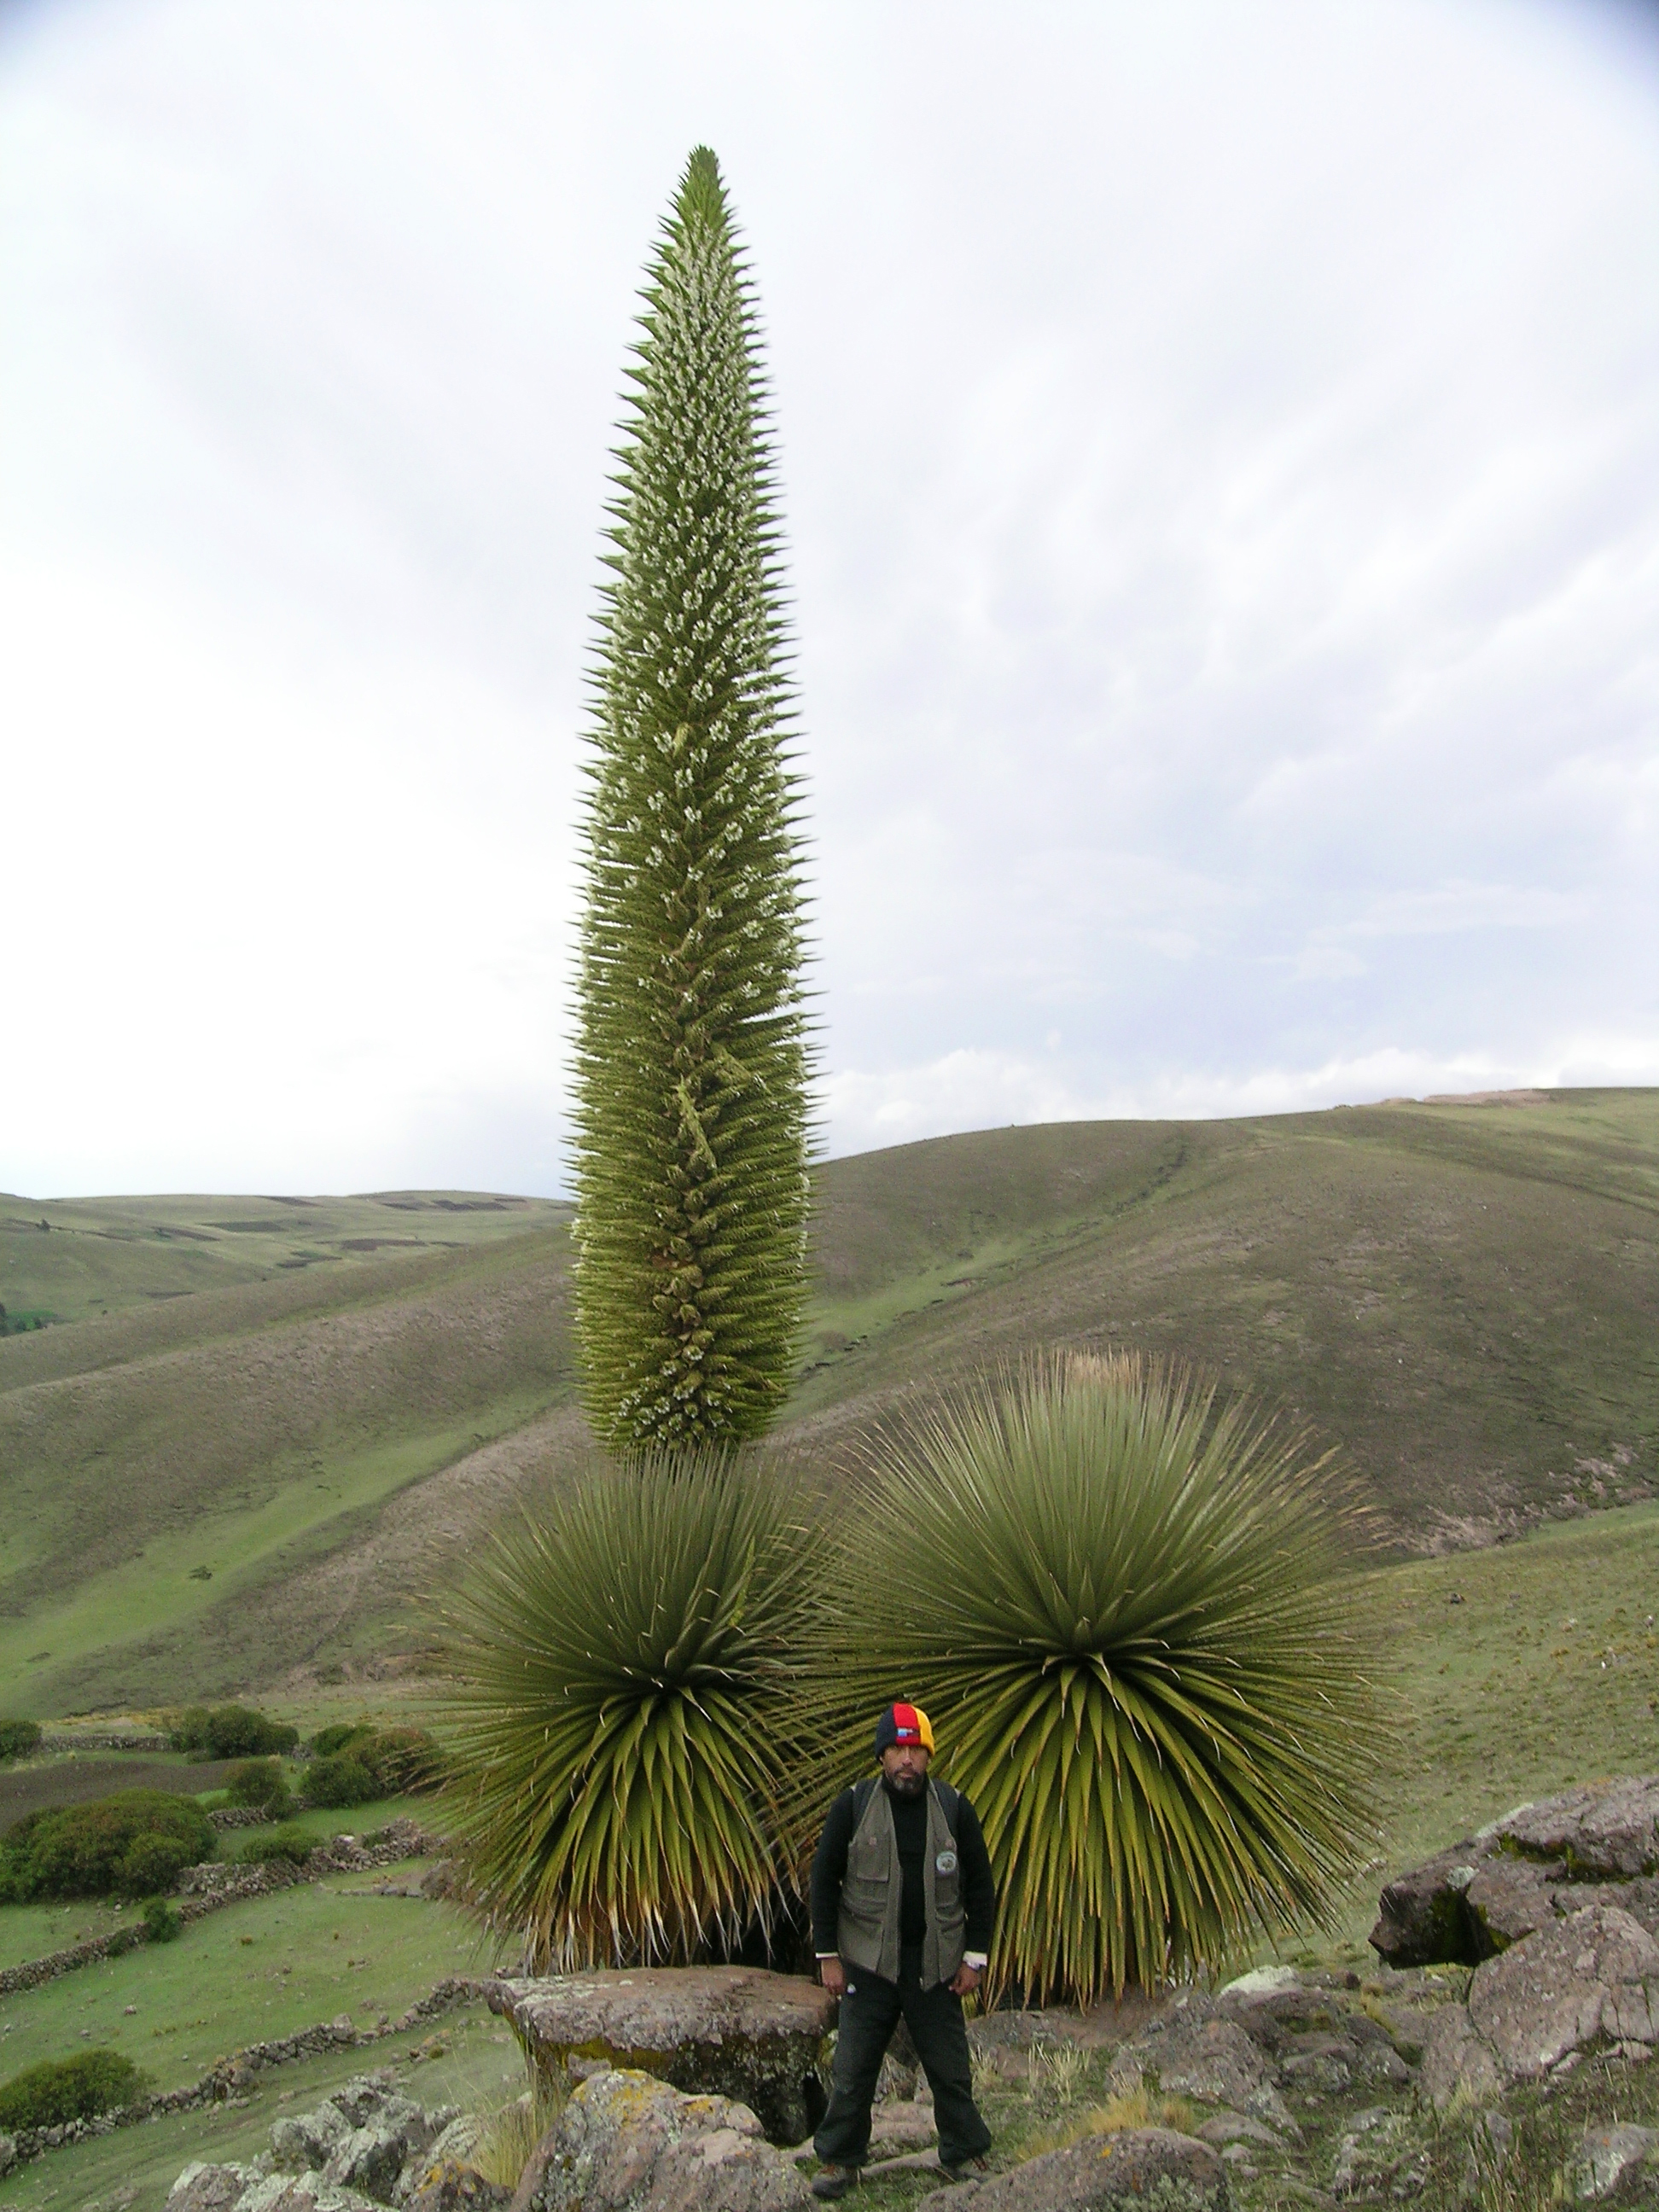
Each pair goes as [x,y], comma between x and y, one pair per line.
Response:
[1220,448]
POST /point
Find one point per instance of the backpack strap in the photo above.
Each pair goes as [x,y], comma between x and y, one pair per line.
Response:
[862,1793]
[950,1800]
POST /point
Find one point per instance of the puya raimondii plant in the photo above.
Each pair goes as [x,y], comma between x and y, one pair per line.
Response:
[1142,1655]
[693,1054]
[626,1662]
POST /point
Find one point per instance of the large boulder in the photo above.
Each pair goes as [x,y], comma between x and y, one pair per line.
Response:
[448,2184]
[1421,1920]
[1595,1974]
[734,2031]
[1588,1979]
[1179,2174]
[1608,1830]
[1494,1889]
[627,2142]
[360,2137]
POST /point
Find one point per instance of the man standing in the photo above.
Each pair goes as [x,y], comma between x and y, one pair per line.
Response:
[903,1906]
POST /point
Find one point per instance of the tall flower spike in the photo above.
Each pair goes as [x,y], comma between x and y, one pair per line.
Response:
[693,1058]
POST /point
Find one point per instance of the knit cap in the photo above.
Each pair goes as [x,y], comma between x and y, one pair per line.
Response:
[902,1723]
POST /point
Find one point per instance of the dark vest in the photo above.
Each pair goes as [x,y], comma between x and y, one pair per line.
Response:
[867,1931]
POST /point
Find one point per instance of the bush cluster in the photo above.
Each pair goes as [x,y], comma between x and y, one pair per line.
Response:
[259,1783]
[230,1732]
[18,1738]
[131,1845]
[356,1762]
[161,1921]
[62,2089]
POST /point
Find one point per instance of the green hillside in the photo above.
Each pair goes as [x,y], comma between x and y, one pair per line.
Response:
[283,1420]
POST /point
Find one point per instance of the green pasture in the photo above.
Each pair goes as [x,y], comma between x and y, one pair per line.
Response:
[1462,1300]
[97,1255]
[161,1590]
[264,1968]
[479,2068]
[1510,1673]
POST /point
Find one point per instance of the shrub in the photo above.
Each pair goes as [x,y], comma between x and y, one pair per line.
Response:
[230,1732]
[238,1732]
[257,1782]
[288,1843]
[161,1921]
[342,1780]
[61,2089]
[187,1730]
[401,1761]
[18,1738]
[1137,1654]
[130,1844]
[629,1708]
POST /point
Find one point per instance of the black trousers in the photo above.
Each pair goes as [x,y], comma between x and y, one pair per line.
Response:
[870,2012]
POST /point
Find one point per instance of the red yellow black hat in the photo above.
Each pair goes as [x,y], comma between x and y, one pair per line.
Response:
[902,1723]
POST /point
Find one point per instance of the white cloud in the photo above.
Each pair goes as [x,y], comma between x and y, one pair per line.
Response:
[1221,454]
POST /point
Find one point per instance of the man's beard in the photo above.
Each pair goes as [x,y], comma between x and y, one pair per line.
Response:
[906,1785]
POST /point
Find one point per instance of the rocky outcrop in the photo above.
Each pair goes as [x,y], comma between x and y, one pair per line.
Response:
[1106,2172]
[1471,1903]
[627,2142]
[732,2032]
[348,2155]
[1556,1907]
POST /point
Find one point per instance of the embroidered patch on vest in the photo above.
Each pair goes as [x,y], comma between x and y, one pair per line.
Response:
[946,1863]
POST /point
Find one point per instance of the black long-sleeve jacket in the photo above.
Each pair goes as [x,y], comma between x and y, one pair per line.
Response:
[979,1902]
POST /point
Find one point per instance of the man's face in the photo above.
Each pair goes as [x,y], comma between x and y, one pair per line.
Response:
[905,1766]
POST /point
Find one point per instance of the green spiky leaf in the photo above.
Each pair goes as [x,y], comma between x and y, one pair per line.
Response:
[692,1059]
[1127,1619]
[630,1666]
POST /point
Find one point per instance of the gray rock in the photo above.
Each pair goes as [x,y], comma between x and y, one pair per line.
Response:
[1457,2062]
[1596,1973]
[448,2185]
[1106,2172]
[203,2188]
[734,2031]
[300,2142]
[627,2142]
[302,2192]
[1199,2055]
[1607,2158]
[1234,2127]
[371,2159]
[1609,1830]
[1422,1918]
[1508,1900]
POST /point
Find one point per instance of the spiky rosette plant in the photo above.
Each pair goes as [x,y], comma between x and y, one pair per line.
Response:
[1123,1612]
[692,1064]
[629,1669]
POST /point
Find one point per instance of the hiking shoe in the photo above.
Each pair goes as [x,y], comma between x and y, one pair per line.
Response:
[965,2169]
[835,2180]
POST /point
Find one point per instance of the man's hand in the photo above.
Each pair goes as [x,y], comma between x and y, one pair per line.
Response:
[833,1975]
[965,1980]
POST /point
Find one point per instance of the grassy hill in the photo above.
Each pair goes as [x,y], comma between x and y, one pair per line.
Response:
[274,1422]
